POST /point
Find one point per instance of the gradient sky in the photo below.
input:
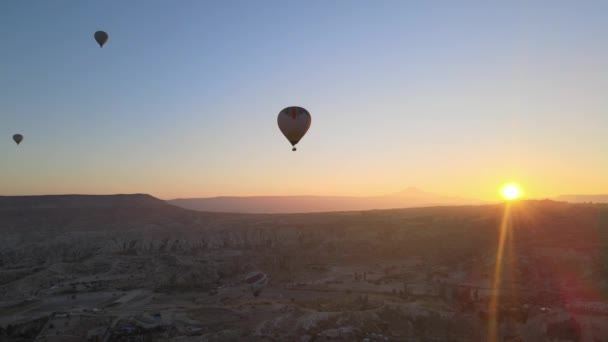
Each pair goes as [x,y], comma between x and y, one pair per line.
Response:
[452,97]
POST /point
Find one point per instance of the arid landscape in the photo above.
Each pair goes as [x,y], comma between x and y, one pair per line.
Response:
[134,268]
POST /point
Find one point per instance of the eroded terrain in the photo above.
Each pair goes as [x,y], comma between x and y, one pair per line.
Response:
[136,269]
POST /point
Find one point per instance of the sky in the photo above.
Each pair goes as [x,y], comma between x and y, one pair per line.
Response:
[455,98]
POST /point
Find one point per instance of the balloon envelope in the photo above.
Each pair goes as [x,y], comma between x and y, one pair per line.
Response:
[294,122]
[257,282]
[255,277]
[18,138]
[101,37]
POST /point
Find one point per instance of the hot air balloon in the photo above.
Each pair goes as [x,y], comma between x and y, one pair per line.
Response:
[101,38]
[294,122]
[18,138]
[257,281]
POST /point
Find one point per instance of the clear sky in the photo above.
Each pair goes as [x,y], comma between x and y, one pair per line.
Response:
[453,97]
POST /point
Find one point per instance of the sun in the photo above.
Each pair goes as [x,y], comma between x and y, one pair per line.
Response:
[511,191]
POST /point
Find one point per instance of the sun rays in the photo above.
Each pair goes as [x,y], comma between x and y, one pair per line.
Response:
[495,299]
[510,192]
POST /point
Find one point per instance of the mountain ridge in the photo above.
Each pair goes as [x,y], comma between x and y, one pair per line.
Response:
[408,198]
[573,198]
[80,201]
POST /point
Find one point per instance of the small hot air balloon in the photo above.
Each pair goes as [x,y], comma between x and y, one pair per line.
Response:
[101,38]
[294,122]
[18,138]
[257,282]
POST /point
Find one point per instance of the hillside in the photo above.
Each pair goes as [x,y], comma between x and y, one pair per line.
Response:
[63,213]
[411,197]
[583,198]
[79,201]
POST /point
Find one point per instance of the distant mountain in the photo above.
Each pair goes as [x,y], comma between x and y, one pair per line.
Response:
[410,197]
[583,198]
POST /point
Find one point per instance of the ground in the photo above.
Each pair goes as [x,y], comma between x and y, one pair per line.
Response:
[399,275]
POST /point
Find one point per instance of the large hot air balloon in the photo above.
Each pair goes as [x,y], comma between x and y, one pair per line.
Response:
[294,122]
[18,138]
[101,38]
[257,281]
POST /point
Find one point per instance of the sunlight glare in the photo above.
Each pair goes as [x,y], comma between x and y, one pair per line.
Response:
[511,191]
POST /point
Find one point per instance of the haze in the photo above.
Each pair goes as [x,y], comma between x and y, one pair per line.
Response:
[182,101]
